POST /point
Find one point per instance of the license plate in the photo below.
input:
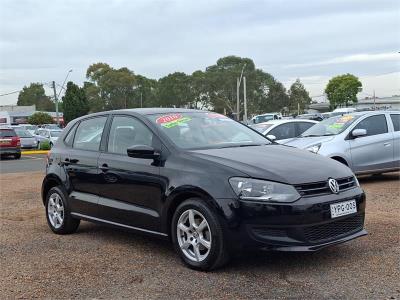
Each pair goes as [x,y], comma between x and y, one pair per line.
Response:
[343,208]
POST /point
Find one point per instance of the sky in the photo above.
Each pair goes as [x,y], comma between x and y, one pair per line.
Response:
[311,40]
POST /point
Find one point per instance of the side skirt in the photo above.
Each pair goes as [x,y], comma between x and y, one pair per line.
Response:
[89,218]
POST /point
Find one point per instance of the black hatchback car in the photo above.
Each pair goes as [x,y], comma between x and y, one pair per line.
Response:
[208,183]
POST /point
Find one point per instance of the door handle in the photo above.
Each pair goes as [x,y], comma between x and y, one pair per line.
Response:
[104,168]
[68,161]
[386,144]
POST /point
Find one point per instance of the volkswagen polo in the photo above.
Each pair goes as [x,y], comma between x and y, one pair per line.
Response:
[209,184]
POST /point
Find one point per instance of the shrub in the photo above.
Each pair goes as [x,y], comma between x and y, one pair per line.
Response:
[45,145]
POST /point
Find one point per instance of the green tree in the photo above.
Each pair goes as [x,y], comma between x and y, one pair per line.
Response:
[343,89]
[39,118]
[75,103]
[145,92]
[34,94]
[174,90]
[298,97]
[115,87]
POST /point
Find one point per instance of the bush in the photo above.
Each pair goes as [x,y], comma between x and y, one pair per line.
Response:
[45,145]
[40,118]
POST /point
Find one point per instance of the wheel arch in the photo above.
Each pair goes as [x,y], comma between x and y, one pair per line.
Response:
[340,159]
[49,182]
[178,196]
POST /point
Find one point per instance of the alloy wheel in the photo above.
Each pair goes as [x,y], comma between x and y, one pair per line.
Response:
[194,235]
[55,210]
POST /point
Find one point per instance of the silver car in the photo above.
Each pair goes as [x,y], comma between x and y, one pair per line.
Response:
[283,130]
[28,141]
[367,142]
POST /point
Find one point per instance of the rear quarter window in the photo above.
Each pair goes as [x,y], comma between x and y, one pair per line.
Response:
[396,121]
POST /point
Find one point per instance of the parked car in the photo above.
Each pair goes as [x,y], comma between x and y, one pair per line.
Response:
[51,126]
[367,142]
[28,141]
[283,130]
[208,183]
[30,128]
[315,117]
[48,135]
[264,118]
[10,143]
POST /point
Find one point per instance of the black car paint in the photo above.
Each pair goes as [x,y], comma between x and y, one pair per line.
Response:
[141,194]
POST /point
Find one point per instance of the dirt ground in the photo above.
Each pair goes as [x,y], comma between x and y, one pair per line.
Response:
[99,262]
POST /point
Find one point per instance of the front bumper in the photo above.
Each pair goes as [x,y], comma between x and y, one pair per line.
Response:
[305,225]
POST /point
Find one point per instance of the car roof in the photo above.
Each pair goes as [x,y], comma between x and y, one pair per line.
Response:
[159,110]
[282,121]
[372,112]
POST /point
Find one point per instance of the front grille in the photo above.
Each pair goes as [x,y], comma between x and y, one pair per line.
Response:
[334,229]
[267,231]
[322,188]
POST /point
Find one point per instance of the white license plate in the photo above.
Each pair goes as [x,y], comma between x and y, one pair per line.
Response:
[343,208]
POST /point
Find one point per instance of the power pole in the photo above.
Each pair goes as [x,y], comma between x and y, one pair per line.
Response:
[244,100]
[56,101]
[374,101]
[141,100]
[237,99]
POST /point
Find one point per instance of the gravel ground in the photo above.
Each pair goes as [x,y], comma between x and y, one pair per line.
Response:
[98,262]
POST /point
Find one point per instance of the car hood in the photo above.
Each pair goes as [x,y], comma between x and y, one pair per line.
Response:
[305,142]
[277,163]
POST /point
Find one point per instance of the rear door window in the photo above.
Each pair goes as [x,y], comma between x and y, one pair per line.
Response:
[89,133]
[374,125]
[396,121]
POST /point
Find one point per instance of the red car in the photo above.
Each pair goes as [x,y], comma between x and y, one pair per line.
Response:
[10,143]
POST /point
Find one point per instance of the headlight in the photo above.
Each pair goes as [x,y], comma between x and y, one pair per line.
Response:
[314,148]
[264,191]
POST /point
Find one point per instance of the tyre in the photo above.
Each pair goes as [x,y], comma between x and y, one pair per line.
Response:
[58,214]
[17,156]
[198,236]
[38,145]
[51,145]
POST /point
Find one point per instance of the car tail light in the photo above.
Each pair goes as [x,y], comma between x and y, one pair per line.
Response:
[18,141]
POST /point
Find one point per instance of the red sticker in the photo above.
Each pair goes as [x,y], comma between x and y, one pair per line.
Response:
[168,118]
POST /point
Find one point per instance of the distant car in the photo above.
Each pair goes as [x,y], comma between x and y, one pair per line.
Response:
[29,127]
[28,141]
[367,142]
[48,135]
[10,143]
[51,126]
[283,130]
[264,118]
[315,117]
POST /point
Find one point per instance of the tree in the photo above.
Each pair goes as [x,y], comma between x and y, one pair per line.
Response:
[174,90]
[75,103]
[39,118]
[114,87]
[35,95]
[298,97]
[343,89]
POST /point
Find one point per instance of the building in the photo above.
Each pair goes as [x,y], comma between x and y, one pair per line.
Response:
[386,103]
[14,114]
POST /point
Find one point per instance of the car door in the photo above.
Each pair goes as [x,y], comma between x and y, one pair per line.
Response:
[283,131]
[395,118]
[374,151]
[79,164]
[131,189]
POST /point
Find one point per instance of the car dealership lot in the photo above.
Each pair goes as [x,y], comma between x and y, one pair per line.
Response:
[99,262]
[27,163]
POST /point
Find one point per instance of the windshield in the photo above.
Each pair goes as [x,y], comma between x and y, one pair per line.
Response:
[55,133]
[331,126]
[30,127]
[261,127]
[206,130]
[7,133]
[23,133]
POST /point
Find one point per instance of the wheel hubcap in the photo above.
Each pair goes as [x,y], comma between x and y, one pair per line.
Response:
[55,210]
[194,235]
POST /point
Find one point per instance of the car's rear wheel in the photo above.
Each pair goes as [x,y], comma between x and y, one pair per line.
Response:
[58,214]
[198,236]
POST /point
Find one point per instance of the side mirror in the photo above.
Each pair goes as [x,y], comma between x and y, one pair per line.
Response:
[358,133]
[271,137]
[142,151]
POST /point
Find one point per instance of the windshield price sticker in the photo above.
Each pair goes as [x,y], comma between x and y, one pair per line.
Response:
[341,122]
[173,120]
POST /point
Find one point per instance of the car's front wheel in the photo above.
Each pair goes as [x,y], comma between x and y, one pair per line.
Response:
[198,236]
[58,214]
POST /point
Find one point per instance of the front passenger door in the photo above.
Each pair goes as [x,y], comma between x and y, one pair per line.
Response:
[375,150]
[132,190]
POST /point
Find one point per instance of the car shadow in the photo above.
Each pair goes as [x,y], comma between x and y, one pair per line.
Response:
[395,176]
